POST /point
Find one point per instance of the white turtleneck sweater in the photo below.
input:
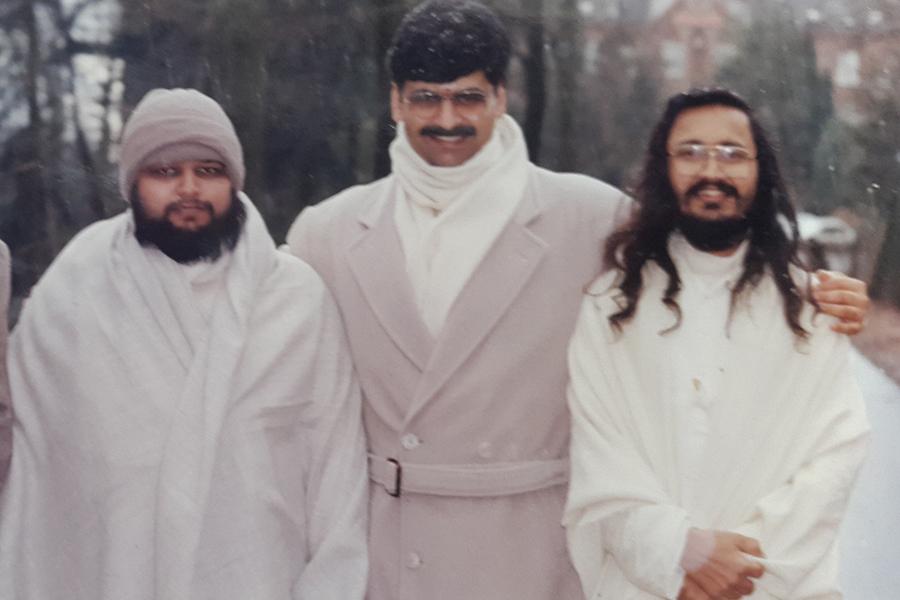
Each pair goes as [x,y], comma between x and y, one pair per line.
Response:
[705,301]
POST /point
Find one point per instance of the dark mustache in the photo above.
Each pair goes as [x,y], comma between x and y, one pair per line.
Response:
[722,186]
[462,130]
[182,204]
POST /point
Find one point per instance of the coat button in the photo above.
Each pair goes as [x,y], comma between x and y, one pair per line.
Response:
[485,450]
[410,441]
[413,560]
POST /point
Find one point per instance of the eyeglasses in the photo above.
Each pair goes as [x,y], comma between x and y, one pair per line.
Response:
[734,161]
[469,104]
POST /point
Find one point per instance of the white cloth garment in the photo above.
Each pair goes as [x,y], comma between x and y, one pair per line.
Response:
[448,217]
[719,424]
[206,280]
[161,455]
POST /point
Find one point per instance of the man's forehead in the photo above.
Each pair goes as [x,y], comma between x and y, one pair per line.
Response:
[184,163]
[713,124]
[476,79]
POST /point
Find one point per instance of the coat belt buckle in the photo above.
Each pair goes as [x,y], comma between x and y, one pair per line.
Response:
[398,478]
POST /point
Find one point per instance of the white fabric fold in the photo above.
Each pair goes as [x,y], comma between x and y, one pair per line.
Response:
[448,217]
[161,454]
[214,353]
[786,435]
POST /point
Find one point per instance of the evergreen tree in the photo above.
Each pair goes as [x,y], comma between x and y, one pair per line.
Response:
[878,177]
[621,101]
[837,157]
[774,69]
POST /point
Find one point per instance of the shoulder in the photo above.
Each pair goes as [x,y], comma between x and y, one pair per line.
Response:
[293,275]
[77,271]
[586,204]
[89,246]
[575,188]
[813,320]
[599,301]
[607,284]
[294,287]
[347,202]
[603,296]
[810,318]
[318,222]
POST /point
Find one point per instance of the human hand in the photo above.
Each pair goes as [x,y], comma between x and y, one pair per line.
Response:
[843,297]
[717,563]
[690,590]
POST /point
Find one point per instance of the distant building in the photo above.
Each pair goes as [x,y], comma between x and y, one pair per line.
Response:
[855,41]
[859,57]
[693,38]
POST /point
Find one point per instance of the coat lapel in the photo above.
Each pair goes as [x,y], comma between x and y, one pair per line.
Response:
[377,262]
[496,282]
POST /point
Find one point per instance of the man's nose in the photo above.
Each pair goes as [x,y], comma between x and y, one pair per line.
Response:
[447,116]
[711,168]
[188,184]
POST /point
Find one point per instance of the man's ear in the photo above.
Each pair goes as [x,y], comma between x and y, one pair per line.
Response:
[396,104]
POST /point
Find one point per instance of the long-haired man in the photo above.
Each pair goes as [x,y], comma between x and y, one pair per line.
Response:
[716,425]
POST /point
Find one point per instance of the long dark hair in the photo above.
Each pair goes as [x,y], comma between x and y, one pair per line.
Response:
[645,237]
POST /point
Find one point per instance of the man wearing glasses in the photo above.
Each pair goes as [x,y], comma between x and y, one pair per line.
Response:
[702,377]
[459,278]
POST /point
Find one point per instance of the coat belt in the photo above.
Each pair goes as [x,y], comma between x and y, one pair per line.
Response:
[473,480]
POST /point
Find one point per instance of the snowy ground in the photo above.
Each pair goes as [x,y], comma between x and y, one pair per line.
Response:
[871,534]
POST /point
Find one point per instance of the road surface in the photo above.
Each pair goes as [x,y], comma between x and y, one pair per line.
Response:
[870,566]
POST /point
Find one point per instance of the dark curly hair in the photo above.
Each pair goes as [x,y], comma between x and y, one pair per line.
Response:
[645,237]
[443,40]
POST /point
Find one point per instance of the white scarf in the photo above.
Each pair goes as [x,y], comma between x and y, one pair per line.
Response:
[448,217]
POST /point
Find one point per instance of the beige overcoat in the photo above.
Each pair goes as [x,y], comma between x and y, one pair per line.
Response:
[5,407]
[468,433]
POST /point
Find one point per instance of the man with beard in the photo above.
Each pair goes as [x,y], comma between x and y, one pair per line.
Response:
[187,421]
[459,278]
[716,425]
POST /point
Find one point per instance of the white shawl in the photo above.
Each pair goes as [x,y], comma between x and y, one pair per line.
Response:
[158,456]
[787,435]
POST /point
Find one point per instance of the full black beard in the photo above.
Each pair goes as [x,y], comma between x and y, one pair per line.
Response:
[185,247]
[713,235]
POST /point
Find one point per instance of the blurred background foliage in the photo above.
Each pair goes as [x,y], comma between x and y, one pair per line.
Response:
[305,84]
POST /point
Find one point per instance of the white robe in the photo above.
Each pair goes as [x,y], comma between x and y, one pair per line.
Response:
[162,455]
[763,437]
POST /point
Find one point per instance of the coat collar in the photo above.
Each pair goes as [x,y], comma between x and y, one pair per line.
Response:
[378,264]
[493,287]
